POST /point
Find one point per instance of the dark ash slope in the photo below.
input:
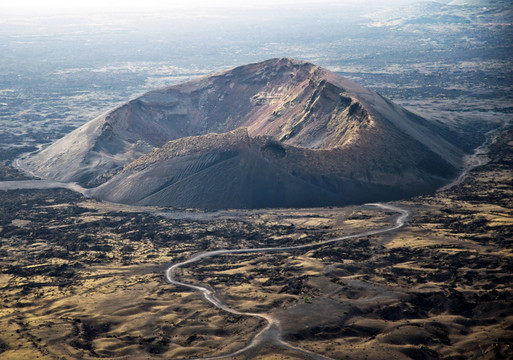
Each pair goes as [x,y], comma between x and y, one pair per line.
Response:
[280,133]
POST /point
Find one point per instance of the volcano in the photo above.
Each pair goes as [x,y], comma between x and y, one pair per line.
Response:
[280,133]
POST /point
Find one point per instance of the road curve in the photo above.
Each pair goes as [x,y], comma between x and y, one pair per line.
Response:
[272,332]
[477,158]
[37,183]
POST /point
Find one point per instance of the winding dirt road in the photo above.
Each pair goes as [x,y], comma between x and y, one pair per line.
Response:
[476,159]
[39,184]
[271,334]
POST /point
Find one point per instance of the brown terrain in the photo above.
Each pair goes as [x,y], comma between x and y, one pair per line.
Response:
[82,279]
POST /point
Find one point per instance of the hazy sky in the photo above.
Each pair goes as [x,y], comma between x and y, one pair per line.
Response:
[77,6]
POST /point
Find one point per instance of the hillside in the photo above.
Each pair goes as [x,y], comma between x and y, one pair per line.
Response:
[277,133]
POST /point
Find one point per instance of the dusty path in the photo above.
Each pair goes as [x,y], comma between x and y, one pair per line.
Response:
[476,159]
[42,184]
[271,334]
[38,184]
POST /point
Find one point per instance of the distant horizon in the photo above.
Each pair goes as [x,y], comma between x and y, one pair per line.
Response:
[62,7]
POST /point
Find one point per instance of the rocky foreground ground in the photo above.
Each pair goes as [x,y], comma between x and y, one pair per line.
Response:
[81,279]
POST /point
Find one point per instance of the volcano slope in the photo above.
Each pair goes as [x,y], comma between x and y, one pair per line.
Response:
[280,133]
